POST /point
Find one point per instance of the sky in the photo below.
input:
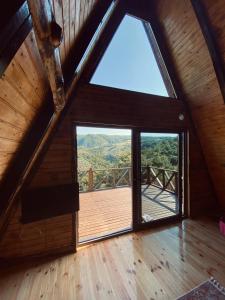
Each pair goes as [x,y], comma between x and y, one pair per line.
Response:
[129,62]
[114,131]
[98,130]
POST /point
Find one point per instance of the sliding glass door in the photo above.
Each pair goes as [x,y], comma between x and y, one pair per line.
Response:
[104,173]
[159,180]
[128,179]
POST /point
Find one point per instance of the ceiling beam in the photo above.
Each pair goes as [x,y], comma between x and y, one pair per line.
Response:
[15,24]
[49,36]
[211,43]
[83,39]
[32,151]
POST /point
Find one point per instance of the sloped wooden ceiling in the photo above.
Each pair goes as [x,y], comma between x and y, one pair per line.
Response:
[187,47]
[23,89]
[196,72]
[71,15]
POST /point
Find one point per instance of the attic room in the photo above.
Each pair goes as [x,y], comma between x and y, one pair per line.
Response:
[112,141]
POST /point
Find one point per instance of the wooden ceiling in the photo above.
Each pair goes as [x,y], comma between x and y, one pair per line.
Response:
[24,88]
[71,15]
[195,70]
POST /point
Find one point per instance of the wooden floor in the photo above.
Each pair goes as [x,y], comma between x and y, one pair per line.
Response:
[109,211]
[155,264]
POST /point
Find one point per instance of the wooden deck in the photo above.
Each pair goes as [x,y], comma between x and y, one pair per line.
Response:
[157,204]
[109,211]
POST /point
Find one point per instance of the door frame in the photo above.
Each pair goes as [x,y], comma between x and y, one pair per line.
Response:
[137,212]
[75,158]
[135,164]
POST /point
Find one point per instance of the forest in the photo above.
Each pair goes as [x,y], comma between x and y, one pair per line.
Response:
[106,159]
[101,151]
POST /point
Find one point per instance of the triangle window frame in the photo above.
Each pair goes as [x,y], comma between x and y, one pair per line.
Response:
[106,37]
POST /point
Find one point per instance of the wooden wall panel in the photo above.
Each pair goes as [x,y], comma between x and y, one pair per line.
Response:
[106,106]
[23,89]
[56,167]
[216,14]
[112,106]
[71,15]
[196,73]
[37,238]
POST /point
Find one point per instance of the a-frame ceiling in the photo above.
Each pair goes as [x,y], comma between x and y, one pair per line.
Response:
[25,99]
[24,86]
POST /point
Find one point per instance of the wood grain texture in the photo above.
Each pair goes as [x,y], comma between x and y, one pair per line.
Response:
[37,238]
[195,69]
[71,15]
[28,86]
[108,211]
[23,88]
[101,105]
[95,104]
[162,263]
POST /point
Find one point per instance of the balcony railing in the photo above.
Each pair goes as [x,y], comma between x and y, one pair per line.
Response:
[100,179]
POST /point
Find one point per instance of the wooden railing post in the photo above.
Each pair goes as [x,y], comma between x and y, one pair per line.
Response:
[130,177]
[114,177]
[164,179]
[148,175]
[176,183]
[90,180]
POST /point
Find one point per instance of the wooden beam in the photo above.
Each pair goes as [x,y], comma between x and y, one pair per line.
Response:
[49,36]
[15,23]
[211,42]
[82,41]
[177,84]
[158,56]
[32,160]
[103,42]
[9,9]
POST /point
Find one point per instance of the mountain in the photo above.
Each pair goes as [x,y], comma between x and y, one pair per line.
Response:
[98,140]
[101,151]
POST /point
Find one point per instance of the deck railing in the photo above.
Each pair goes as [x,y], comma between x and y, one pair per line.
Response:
[93,180]
[164,179]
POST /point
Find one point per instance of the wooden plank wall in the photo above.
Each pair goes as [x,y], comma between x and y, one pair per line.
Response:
[48,236]
[23,88]
[195,69]
[105,106]
[111,106]
[71,15]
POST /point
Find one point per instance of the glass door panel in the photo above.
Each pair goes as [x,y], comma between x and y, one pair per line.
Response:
[159,178]
[104,172]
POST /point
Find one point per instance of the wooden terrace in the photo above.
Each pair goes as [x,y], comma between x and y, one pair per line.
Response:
[106,211]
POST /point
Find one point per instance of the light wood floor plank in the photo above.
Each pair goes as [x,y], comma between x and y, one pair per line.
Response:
[161,263]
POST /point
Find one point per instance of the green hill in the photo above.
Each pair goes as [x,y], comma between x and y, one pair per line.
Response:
[100,151]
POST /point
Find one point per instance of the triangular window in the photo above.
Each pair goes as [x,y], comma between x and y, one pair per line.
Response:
[129,62]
